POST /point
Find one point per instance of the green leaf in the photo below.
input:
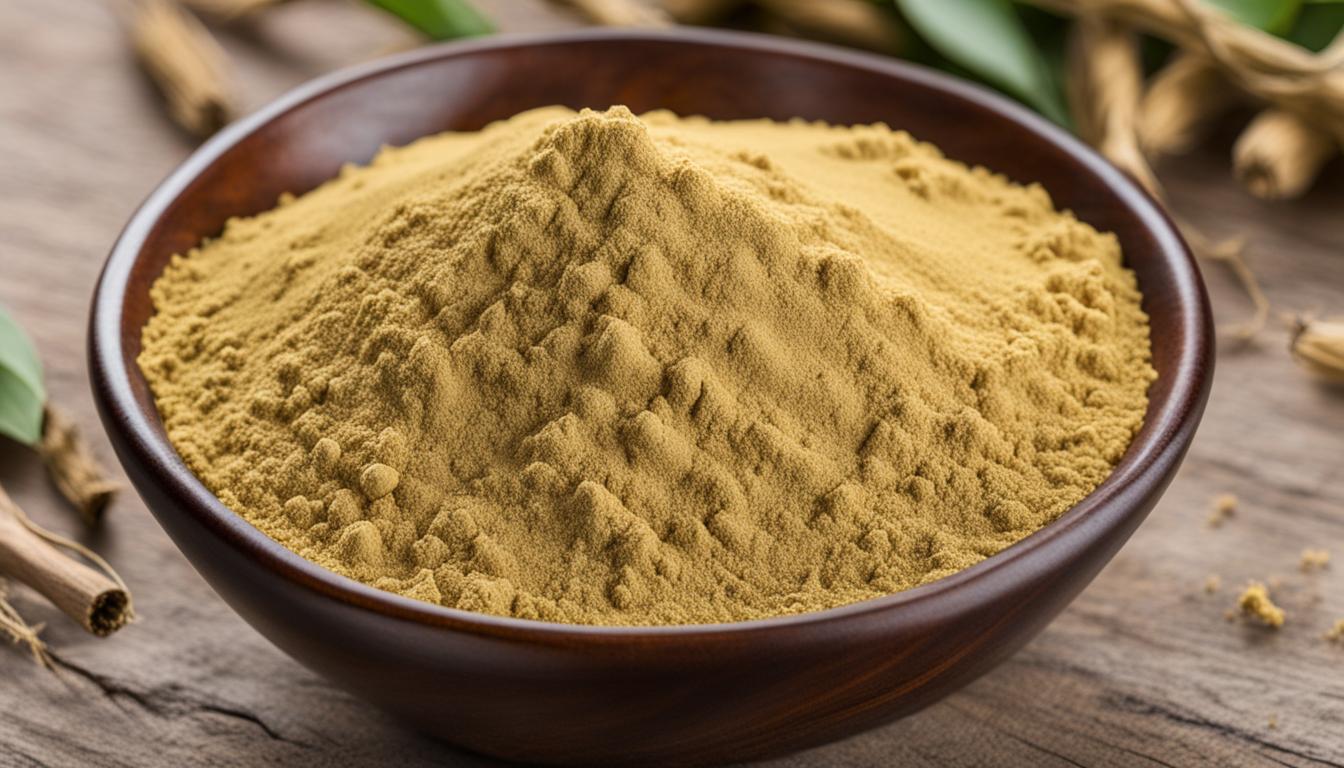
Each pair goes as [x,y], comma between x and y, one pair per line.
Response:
[439,19]
[988,39]
[1318,24]
[1274,16]
[22,397]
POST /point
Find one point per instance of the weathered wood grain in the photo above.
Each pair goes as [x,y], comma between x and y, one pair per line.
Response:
[1141,670]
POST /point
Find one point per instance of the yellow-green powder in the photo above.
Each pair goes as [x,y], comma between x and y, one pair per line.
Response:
[608,369]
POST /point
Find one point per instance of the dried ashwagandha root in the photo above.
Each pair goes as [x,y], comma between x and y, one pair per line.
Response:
[857,23]
[700,11]
[230,10]
[620,13]
[1105,88]
[1318,346]
[1183,100]
[185,62]
[1279,155]
[77,473]
[74,578]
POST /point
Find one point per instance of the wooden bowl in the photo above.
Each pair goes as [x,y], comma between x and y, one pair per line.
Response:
[544,692]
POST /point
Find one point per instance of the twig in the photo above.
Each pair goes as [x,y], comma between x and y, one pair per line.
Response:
[97,599]
[1279,154]
[1318,346]
[620,13]
[186,64]
[78,475]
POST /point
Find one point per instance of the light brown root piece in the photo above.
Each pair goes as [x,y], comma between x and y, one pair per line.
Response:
[700,11]
[1183,99]
[1279,155]
[230,10]
[78,475]
[186,64]
[1104,92]
[96,598]
[1318,346]
[856,23]
[619,13]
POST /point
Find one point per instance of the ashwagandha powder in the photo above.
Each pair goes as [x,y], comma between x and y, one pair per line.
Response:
[607,369]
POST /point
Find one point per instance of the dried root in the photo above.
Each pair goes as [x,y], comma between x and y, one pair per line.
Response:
[96,597]
[1104,94]
[1184,98]
[1279,155]
[1318,346]
[78,475]
[620,13]
[186,64]
[229,10]
[856,23]
[700,11]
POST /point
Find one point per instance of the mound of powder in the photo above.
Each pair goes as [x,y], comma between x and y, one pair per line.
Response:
[606,369]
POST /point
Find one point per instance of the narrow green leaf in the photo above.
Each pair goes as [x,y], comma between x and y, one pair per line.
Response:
[21,394]
[988,39]
[1274,16]
[439,19]
[1318,24]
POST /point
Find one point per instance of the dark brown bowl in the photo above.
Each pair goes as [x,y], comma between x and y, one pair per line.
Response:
[561,693]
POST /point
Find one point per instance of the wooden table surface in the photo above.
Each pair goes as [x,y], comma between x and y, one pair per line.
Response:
[1142,669]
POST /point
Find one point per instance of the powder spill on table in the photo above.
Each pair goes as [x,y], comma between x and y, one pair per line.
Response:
[608,369]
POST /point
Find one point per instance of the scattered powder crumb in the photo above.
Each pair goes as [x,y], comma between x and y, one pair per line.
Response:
[1224,506]
[1336,633]
[1255,602]
[1213,583]
[1273,722]
[1314,560]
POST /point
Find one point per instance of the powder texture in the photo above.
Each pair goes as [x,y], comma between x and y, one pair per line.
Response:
[599,368]
[1256,603]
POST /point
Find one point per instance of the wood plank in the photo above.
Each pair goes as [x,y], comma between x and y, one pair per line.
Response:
[1141,670]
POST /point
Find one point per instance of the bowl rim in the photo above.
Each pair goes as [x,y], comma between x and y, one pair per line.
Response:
[149,446]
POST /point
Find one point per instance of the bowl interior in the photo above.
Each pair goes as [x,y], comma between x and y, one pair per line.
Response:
[303,139]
